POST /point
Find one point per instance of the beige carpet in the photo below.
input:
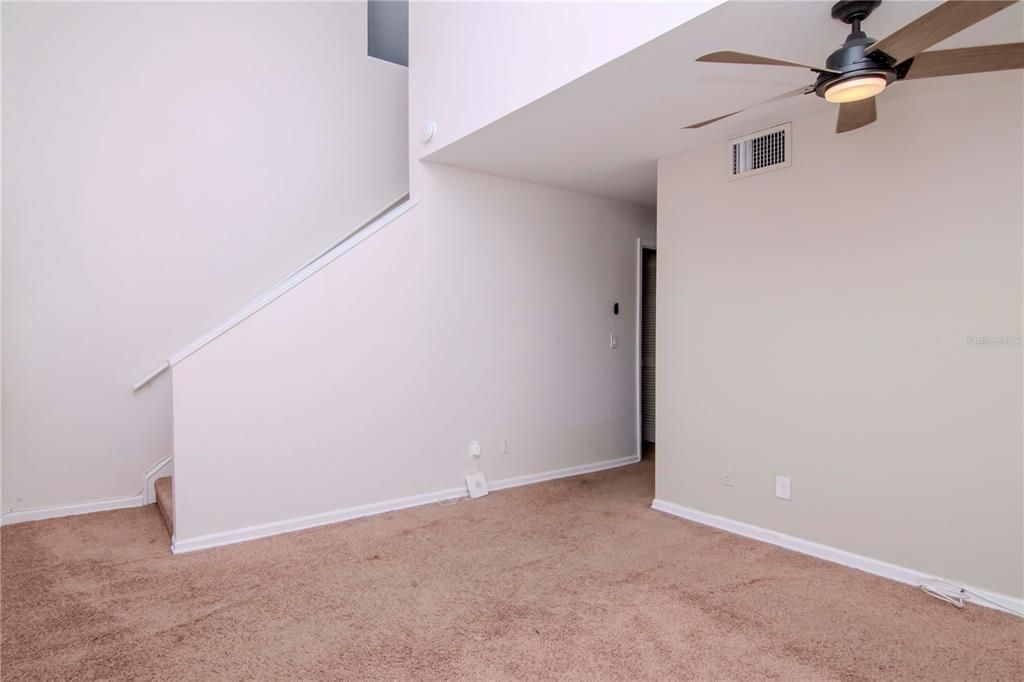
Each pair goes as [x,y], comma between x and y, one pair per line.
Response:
[573,579]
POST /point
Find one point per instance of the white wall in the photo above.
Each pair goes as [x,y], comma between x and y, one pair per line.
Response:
[815,321]
[163,163]
[484,313]
[477,61]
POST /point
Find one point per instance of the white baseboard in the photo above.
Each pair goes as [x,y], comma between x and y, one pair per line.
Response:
[301,523]
[230,537]
[145,496]
[42,513]
[901,574]
[516,481]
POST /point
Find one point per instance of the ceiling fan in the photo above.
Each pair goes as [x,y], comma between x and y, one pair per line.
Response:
[863,67]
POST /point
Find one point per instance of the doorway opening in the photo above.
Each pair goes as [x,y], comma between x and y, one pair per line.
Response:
[647,279]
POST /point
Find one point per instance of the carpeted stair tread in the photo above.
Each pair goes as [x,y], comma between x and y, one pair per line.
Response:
[165,501]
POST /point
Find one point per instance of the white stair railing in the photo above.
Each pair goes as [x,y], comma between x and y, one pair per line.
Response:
[365,229]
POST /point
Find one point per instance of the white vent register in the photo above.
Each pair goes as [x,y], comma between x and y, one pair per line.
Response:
[760,152]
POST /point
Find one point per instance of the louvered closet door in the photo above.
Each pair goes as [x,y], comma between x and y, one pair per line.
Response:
[647,326]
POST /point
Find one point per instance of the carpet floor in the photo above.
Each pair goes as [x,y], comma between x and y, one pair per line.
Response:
[571,579]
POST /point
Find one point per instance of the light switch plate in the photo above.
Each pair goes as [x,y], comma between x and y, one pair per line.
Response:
[613,341]
[477,484]
[783,488]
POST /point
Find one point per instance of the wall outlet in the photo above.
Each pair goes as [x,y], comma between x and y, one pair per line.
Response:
[782,487]
[728,476]
[506,446]
[474,448]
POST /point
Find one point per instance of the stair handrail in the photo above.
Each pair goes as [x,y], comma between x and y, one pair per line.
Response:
[366,228]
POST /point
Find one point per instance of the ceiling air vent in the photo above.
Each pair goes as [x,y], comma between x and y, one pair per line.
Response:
[762,151]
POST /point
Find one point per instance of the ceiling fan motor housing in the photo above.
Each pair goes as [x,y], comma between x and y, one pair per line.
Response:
[862,68]
[850,60]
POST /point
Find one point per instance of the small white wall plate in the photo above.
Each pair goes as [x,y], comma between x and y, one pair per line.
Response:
[429,130]
[477,485]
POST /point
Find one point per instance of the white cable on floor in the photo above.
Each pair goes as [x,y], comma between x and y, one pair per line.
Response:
[949,599]
[958,595]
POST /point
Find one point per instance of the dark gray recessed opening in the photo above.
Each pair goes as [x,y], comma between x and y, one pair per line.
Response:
[387,30]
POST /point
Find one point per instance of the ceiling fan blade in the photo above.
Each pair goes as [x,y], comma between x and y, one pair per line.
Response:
[710,120]
[945,20]
[792,93]
[853,115]
[730,57]
[967,60]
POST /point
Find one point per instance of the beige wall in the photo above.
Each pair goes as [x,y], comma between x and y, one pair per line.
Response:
[163,163]
[482,314]
[814,322]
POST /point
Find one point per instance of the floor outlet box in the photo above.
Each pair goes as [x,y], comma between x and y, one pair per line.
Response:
[477,484]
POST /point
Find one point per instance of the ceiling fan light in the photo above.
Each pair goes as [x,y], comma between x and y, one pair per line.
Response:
[855,89]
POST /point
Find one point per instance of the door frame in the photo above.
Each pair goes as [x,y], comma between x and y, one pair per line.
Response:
[641,246]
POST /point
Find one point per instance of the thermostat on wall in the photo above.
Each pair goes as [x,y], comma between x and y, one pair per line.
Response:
[477,484]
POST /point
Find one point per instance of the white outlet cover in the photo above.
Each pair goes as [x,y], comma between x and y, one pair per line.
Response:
[474,448]
[477,484]
[728,476]
[506,446]
[783,487]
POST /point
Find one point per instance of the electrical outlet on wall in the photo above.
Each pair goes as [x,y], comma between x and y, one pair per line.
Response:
[782,487]
[474,448]
[728,476]
[506,446]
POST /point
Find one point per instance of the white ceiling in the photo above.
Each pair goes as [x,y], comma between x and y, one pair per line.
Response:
[604,132]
